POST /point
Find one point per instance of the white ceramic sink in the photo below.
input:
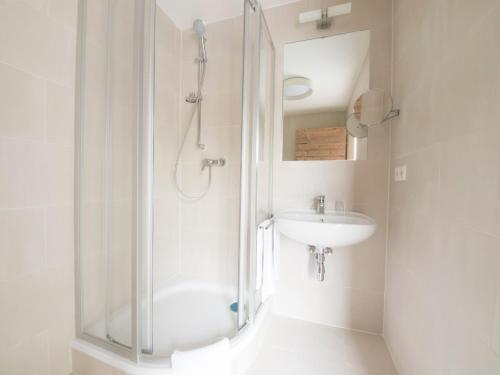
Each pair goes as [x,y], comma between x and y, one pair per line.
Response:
[331,229]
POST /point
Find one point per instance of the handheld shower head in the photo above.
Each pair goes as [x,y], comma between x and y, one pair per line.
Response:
[199,28]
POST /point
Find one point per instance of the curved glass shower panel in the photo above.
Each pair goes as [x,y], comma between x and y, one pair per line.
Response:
[165,259]
[109,110]
[264,140]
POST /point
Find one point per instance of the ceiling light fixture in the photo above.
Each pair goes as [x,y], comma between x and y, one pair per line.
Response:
[295,88]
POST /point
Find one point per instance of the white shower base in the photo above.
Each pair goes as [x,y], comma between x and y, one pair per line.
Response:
[187,316]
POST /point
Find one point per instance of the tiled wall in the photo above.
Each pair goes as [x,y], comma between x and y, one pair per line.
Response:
[210,226]
[197,240]
[37,60]
[352,295]
[86,365]
[443,280]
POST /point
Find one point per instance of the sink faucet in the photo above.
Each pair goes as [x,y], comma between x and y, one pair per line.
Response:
[320,206]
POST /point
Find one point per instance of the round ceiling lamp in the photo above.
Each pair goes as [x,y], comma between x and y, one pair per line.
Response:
[295,88]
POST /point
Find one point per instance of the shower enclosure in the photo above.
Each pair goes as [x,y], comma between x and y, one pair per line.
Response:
[173,173]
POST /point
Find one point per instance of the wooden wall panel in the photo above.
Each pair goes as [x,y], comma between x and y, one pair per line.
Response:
[321,144]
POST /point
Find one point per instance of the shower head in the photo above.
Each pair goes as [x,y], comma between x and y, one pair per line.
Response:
[199,28]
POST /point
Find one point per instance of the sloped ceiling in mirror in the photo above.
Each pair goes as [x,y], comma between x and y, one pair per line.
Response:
[333,65]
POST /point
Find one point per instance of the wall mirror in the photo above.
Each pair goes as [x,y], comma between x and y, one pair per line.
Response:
[323,80]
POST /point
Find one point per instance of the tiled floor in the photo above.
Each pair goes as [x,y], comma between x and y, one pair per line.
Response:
[295,347]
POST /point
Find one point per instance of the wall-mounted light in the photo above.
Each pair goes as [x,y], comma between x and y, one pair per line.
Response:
[295,88]
[324,15]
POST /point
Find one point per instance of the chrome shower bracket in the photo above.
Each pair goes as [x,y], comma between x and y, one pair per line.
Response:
[393,113]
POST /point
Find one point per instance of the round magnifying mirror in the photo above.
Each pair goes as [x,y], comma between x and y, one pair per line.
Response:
[355,128]
[373,107]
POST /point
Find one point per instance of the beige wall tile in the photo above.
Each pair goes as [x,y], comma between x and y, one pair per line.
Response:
[59,348]
[64,11]
[59,167]
[22,242]
[60,236]
[442,279]
[25,309]
[39,5]
[60,114]
[37,53]
[22,172]
[29,357]
[496,326]
[85,365]
[18,92]
[32,42]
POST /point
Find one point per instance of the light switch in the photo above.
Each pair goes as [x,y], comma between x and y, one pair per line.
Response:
[400,173]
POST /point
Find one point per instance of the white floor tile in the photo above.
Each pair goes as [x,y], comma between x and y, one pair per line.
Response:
[368,351]
[296,347]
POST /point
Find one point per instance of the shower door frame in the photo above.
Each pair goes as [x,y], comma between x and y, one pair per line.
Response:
[254,24]
[141,298]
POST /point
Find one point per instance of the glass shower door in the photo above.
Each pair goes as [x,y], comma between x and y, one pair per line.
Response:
[112,173]
[264,141]
[257,152]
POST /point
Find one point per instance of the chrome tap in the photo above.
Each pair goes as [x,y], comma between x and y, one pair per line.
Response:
[320,206]
[213,163]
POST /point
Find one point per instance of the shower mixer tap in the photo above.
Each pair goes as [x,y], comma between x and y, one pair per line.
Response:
[193,98]
[213,163]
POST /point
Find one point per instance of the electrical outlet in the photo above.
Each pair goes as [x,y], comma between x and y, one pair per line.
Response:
[400,173]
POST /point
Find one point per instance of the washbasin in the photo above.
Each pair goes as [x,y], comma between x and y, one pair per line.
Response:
[331,229]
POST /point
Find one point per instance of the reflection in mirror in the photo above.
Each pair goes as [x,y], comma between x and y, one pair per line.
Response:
[371,108]
[374,106]
[323,78]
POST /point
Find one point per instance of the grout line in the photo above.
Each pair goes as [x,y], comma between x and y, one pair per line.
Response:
[41,141]
[36,75]
[326,325]
[391,355]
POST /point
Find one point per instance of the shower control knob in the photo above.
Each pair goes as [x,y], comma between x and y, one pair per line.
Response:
[192,98]
[213,163]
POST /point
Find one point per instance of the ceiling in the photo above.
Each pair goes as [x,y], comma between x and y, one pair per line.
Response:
[184,12]
[333,64]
